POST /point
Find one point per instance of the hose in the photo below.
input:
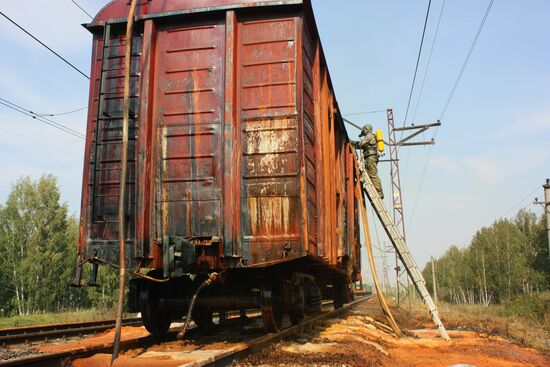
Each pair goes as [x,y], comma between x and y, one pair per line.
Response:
[366,234]
[124,168]
[211,279]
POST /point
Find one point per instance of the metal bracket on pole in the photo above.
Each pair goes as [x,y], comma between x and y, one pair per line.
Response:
[421,129]
[546,205]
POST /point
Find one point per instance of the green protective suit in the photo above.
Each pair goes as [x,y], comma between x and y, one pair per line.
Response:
[370,155]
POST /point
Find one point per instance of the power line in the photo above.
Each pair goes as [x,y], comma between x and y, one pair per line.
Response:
[480,28]
[364,113]
[44,120]
[81,8]
[39,143]
[422,178]
[422,86]
[417,61]
[429,59]
[47,122]
[429,154]
[522,200]
[43,44]
[60,113]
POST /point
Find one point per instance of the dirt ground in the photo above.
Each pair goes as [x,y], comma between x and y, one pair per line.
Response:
[196,350]
[105,338]
[356,340]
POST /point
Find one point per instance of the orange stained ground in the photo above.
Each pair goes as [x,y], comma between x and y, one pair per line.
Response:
[105,338]
[354,340]
[358,338]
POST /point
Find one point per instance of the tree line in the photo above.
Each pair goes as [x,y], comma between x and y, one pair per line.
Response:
[506,259]
[38,238]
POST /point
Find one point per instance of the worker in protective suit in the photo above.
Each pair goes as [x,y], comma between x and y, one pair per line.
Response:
[370,156]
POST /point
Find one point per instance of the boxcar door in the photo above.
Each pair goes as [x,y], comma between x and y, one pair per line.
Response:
[188,115]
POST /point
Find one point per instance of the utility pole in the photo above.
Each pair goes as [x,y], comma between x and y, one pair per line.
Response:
[434,281]
[397,199]
[546,205]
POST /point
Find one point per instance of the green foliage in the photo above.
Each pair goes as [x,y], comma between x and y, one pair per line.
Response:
[104,296]
[45,318]
[37,244]
[38,255]
[504,260]
[534,307]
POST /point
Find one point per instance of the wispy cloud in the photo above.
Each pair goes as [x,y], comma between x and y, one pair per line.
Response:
[532,124]
[447,164]
[509,161]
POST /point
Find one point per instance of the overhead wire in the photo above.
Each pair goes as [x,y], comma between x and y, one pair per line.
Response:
[429,59]
[414,81]
[44,120]
[44,45]
[40,143]
[60,113]
[417,61]
[81,8]
[422,178]
[521,201]
[364,113]
[449,99]
[423,83]
[472,46]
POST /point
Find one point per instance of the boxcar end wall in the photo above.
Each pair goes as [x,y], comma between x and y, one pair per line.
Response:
[237,146]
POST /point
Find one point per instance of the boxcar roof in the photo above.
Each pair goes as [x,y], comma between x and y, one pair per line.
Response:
[118,9]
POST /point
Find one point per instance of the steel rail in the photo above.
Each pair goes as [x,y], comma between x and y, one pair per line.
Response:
[63,358]
[260,343]
[52,331]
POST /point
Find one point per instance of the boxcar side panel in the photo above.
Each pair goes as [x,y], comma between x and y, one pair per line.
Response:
[270,194]
[188,118]
[309,129]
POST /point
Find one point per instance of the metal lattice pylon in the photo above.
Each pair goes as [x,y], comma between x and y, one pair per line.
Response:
[397,201]
[400,247]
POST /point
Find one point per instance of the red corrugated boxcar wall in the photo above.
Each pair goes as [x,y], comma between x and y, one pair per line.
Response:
[235,139]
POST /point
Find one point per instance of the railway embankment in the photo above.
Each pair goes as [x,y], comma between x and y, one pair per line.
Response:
[360,339]
[353,336]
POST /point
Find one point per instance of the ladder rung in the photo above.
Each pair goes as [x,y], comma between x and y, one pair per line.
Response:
[400,246]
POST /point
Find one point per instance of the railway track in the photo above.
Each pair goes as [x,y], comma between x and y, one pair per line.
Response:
[54,331]
[220,358]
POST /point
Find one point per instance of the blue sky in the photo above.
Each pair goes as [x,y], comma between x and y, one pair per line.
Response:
[491,151]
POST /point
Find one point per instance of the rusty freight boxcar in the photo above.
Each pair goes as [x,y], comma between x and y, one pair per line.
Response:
[239,162]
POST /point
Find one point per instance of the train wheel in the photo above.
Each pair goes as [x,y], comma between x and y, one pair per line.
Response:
[339,293]
[272,303]
[203,318]
[296,299]
[155,320]
[296,316]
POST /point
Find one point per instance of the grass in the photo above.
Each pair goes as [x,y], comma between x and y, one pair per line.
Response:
[522,320]
[57,318]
